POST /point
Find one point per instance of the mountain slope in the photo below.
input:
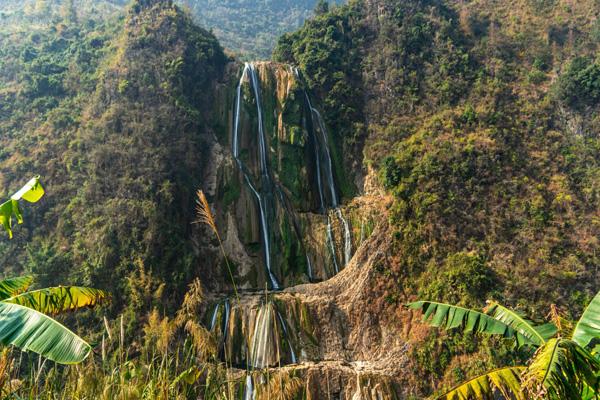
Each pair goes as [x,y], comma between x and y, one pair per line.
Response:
[249,27]
[114,123]
[481,119]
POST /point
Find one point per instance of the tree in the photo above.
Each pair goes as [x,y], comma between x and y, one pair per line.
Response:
[564,366]
[322,7]
[23,319]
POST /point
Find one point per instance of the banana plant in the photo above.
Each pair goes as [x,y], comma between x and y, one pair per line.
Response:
[565,365]
[32,192]
[24,322]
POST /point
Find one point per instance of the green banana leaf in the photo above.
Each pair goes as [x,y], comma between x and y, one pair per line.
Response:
[538,335]
[561,369]
[450,317]
[505,380]
[33,331]
[59,299]
[13,286]
[588,327]
[31,192]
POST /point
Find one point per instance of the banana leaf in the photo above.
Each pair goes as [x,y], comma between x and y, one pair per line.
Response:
[33,331]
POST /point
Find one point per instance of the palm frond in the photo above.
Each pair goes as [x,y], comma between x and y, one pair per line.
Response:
[447,316]
[561,369]
[13,286]
[483,387]
[538,335]
[33,331]
[59,299]
[588,326]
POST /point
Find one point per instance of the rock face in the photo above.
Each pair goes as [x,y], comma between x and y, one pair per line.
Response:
[273,185]
[303,259]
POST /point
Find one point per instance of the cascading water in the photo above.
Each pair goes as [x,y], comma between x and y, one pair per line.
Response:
[322,150]
[331,243]
[309,267]
[347,238]
[249,389]
[287,337]
[264,197]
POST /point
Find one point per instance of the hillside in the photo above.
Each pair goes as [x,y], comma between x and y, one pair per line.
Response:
[251,28]
[247,28]
[481,119]
[445,150]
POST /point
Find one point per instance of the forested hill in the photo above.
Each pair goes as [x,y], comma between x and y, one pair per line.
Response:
[249,28]
[468,132]
[482,119]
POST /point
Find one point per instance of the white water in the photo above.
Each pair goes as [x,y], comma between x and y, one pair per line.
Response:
[265,350]
[226,321]
[347,238]
[332,244]
[213,320]
[309,267]
[287,337]
[266,185]
[262,337]
[223,323]
[249,391]
[319,124]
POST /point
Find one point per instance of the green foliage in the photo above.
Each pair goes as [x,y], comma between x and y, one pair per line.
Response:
[464,278]
[31,330]
[506,380]
[251,28]
[13,286]
[58,300]
[32,192]
[560,369]
[24,325]
[123,193]
[452,317]
[579,84]
[587,329]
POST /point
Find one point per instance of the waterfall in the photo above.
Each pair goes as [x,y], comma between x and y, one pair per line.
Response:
[226,319]
[263,335]
[320,124]
[287,338]
[309,267]
[249,390]
[332,244]
[347,238]
[263,188]
[265,193]
[322,150]
[213,320]
[264,350]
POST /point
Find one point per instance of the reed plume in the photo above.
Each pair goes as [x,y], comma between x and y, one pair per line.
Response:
[204,215]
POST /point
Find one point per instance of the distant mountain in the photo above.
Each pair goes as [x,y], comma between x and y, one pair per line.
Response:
[251,27]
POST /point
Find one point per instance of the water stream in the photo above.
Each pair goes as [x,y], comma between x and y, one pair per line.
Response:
[265,195]
[249,389]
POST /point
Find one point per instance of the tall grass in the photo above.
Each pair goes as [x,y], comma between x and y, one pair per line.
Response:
[169,358]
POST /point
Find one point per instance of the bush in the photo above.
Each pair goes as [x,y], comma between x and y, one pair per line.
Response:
[579,85]
[464,278]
